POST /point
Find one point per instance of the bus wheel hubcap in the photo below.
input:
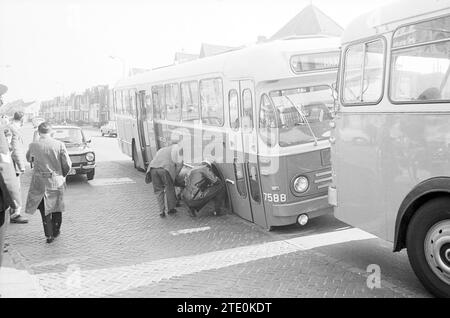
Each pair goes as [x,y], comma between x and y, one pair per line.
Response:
[437,250]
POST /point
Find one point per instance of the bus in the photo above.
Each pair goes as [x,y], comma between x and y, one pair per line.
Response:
[261,113]
[390,139]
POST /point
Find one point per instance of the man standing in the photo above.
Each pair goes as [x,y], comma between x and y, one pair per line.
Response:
[163,170]
[18,158]
[9,188]
[51,164]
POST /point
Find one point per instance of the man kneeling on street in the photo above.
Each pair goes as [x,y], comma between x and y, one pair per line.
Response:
[162,171]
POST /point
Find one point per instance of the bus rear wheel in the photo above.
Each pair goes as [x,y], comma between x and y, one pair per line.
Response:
[428,245]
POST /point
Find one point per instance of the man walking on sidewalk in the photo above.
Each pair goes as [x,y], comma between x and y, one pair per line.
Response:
[163,170]
[18,158]
[51,164]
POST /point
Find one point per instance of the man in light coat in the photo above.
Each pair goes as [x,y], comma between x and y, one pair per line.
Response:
[163,170]
[51,164]
[18,158]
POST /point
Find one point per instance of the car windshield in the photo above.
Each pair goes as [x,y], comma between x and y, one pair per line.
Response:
[296,108]
[68,135]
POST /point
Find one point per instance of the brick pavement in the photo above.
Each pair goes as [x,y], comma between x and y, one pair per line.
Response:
[114,244]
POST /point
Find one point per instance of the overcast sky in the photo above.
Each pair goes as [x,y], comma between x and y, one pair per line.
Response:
[51,47]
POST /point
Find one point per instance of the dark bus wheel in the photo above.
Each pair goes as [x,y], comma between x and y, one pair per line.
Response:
[428,244]
[90,175]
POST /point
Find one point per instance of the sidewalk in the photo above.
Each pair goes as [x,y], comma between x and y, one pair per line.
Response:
[17,283]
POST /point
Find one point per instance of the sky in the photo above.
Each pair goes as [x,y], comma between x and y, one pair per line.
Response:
[55,47]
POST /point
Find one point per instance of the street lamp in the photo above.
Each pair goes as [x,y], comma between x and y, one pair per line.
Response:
[122,60]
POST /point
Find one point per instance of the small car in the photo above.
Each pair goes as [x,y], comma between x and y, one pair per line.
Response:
[36,121]
[109,129]
[77,144]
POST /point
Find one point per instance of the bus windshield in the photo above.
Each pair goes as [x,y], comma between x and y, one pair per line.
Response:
[303,114]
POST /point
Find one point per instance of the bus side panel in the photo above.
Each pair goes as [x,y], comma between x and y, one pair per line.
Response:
[386,156]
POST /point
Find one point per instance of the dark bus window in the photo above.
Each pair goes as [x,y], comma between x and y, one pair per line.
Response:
[173,109]
[189,100]
[233,103]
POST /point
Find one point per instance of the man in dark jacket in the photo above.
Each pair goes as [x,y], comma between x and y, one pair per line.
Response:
[163,170]
[201,186]
[9,187]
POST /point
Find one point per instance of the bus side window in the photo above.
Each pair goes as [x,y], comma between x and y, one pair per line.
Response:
[132,106]
[211,101]
[189,100]
[267,121]
[363,73]
[173,109]
[247,110]
[157,97]
[147,110]
[233,103]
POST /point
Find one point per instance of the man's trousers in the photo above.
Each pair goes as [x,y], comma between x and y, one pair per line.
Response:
[163,187]
[52,221]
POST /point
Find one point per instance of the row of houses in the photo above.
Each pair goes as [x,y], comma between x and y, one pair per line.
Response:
[92,106]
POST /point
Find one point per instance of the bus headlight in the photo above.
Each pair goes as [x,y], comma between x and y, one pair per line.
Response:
[301,184]
[90,156]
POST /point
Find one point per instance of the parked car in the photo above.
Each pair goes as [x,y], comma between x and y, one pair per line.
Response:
[36,121]
[77,144]
[110,129]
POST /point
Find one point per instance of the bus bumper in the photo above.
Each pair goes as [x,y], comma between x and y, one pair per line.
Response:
[286,214]
[332,196]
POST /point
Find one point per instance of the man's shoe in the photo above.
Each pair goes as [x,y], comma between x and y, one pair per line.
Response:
[50,239]
[172,211]
[192,212]
[162,214]
[19,220]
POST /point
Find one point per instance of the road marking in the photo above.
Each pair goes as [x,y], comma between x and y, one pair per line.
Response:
[189,231]
[108,281]
[60,261]
[110,181]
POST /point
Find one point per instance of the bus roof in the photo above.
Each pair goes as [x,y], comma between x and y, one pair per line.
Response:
[388,17]
[263,62]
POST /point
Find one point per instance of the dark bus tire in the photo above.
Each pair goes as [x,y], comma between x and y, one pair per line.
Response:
[425,218]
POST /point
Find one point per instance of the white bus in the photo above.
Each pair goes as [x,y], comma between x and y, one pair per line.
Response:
[261,113]
[391,136]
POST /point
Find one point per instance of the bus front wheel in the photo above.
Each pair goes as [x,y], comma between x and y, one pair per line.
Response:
[428,245]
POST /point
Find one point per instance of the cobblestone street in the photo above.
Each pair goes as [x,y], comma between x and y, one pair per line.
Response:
[114,244]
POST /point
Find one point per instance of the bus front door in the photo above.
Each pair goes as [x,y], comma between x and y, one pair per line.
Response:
[236,177]
[250,148]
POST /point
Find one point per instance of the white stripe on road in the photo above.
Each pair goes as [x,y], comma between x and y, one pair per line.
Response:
[189,231]
[110,181]
[108,281]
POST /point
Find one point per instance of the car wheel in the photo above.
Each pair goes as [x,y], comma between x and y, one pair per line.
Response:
[90,175]
[428,244]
